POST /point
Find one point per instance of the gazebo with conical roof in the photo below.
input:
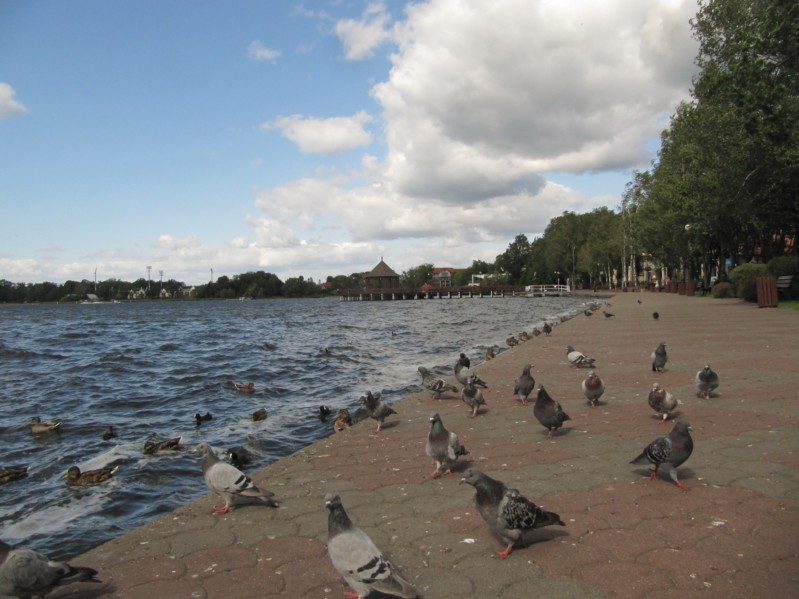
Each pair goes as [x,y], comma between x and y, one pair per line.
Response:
[382,276]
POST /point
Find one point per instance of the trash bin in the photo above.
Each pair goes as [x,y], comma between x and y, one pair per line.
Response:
[690,288]
[681,288]
[766,292]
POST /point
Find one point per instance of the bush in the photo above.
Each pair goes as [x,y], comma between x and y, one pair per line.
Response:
[722,290]
[743,279]
[784,265]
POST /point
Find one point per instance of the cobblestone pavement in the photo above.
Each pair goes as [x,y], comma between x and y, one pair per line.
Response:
[735,533]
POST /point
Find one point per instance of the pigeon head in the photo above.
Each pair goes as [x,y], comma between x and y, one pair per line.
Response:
[682,426]
[434,417]
[332,500]
[471,476]
[204,449]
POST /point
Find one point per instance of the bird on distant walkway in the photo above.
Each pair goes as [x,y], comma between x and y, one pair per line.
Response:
[672,451]
[524,384]
[76,478]
[661,401]
[546,328]
[443,446]
[706,381]
[436,385]
[593,388]
[508,513]
[230,483]
[355,556]
[578,359]
[472,396]
[548,412]
[25,573]
[607,314]
[376,409]
[655,315]
[659,357]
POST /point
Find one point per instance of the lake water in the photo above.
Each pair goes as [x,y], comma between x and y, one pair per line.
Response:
[148,367]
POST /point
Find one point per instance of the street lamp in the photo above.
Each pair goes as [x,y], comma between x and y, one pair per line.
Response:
[149,268]
[557,274]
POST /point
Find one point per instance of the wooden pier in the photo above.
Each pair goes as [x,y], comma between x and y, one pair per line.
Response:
[422,293]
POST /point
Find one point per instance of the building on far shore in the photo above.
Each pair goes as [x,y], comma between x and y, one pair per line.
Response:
[442,277]
[382,276]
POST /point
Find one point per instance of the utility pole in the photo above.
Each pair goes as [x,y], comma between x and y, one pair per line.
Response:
[149,268]
[161,274]
[95,281]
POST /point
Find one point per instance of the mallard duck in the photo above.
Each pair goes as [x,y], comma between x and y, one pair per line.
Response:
[200,418]
[244,387]
[343,420]
[110,433]
[324,412]
[43,426]
[152,446]
[76,478]
[10,473]
[489,355]
[259,415]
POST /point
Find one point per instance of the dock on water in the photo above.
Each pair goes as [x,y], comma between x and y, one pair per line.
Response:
[469,291]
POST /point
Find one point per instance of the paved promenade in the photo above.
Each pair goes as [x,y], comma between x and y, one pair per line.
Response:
[735,533]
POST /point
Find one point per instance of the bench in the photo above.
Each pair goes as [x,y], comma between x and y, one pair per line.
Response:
[784,285]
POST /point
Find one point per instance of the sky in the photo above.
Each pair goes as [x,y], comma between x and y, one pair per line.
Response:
[314,138]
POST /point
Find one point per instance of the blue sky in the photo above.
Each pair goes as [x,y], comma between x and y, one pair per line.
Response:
[313,138]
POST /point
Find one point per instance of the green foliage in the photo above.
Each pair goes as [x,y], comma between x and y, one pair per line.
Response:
[722,290]
[514,261]
[784,265]
[744,278]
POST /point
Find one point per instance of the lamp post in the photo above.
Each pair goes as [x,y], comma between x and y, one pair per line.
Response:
[149,268]
[557,274]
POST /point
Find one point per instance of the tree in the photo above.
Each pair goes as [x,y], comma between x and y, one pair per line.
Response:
[514,260]
[417,275]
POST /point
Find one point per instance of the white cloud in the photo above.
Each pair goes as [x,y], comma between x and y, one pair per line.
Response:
[324,136]
[257,51]
[9,106]
[362,37]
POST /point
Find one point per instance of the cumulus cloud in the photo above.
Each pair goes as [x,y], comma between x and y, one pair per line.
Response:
[362,37]
[324,136]
[257,51]
[9,106]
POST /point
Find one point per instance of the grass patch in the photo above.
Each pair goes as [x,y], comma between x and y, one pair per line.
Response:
[790,304]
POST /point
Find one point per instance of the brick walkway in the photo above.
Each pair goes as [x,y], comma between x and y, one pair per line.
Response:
[735,533]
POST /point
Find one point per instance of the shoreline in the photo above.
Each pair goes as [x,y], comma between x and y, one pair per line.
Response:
[734,534]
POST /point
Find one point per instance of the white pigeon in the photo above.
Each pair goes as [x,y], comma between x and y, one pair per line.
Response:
[230,483]
[26,573]
[358,559]
[578,358]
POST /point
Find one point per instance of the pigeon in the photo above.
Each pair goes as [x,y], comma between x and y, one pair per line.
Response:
[442,446]
[524,384]
[359,560]
[76,478]
[244,387]
[548,412]
[659,357]
[376,409]
[343,420]
[39,426]
[661,401]
[109,434]
[230,483]
[434,384]
[655,315]
[578,359]
[152,446]
[546,328]
[671,450]
[200,418]
[324,412]
[26,573]
[706,382]
[463,372]
[593,388]
[588,312]
[472,396]
[508,513]
[12,473]
[607,314]
[259,414]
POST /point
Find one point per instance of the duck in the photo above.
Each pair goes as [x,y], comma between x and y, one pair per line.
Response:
[259,415]
[524,336]
[244,387]
[151,446]
[547,328]
[39,426]
[343,420]
[11,473]
[109,434]
[489,355]
[76,478]
[200,418]
[324,412]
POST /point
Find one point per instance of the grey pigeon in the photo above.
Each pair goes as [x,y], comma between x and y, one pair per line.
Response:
[524,384]
[706,382]
[434,384]
[472,396]
[230,483]
[463,372]
[25,573]
[661,401]
[671,451]
[443,446]
[593,388]
[359,560]
[508,513]
[659,357]
[548,412]
[578,359]
[655,315]
[547,328]
[376,409]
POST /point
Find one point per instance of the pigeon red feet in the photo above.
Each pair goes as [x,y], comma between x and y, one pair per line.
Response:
[653,475]
[447,472]
[352,595]
[506,552]
[436,473]
[222,509]
[680,485]
[549,435]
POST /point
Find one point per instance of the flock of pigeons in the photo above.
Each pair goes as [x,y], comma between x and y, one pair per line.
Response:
[509,514]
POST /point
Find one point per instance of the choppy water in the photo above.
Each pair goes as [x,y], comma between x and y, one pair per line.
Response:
[148,367]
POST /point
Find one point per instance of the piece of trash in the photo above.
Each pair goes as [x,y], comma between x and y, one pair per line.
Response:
[468,541]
